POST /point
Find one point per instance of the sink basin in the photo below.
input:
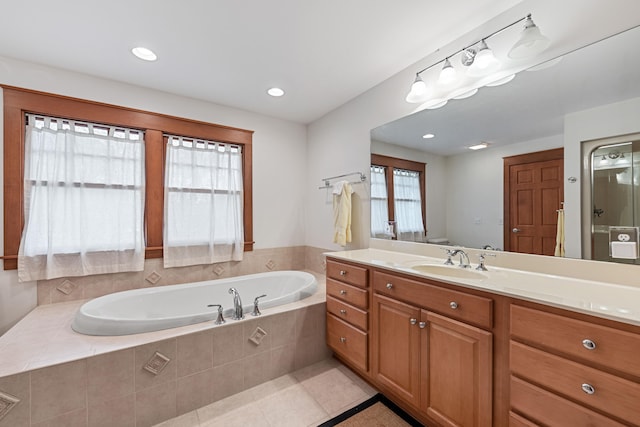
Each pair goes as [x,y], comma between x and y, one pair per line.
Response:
[443,270]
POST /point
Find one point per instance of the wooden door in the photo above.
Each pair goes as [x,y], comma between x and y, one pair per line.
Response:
[456,366]
[396,347]
[534,190]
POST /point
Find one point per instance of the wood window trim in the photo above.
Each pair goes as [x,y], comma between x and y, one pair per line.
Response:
[18,101]
[393,162]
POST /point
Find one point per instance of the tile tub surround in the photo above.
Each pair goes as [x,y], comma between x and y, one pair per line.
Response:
[65,378]
[66,289]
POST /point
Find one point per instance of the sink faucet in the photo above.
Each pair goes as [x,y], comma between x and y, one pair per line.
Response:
[237,304]
[464,258]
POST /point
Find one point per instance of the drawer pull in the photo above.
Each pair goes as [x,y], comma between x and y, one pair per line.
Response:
[413,321]
[344,340]
[588,388]
[389,285]
[343,311]
[453,305]
[343,292]
[343,273]
[588,344]
[422,325]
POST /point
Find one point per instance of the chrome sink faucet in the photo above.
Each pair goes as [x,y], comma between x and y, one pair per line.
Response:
[464,258]
[237,305]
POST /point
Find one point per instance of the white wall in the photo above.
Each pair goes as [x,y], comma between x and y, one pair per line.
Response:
[279,158]
[339,142]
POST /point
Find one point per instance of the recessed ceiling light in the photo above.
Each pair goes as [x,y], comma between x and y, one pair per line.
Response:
[275,91]
[144,53]
[479,146]
[428,135]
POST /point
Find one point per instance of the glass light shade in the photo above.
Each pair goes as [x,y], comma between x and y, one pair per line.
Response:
[418,92]
[484,58]
[530,43]
[448,73]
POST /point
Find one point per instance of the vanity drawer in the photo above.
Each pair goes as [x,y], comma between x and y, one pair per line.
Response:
[347,341]
[611,394]
[551,410]
[350,294]
[348,313]
[615,349]
[347,273]
[516,420]
[457,305]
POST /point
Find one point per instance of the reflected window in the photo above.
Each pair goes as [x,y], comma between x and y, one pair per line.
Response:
[397,199]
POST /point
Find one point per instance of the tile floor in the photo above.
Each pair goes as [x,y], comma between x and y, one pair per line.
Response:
[307,397]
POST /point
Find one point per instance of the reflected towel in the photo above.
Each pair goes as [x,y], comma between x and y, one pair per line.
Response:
[342,213]
[559,251]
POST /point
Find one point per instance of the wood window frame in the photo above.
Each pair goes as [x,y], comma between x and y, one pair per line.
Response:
[391,163]
[17,102]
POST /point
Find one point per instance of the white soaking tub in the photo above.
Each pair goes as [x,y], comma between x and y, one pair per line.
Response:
[153,309]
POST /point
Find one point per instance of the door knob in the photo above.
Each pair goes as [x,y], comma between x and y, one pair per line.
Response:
[516,230]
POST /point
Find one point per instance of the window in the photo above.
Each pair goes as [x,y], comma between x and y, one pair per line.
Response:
[403,195]
[84,198]
[203,202]
[18,102]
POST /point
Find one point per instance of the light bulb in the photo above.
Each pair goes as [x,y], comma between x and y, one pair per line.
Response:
[448,73]
[418,92]
[484,58]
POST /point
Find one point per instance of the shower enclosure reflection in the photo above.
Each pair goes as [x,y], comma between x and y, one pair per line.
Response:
[615,194]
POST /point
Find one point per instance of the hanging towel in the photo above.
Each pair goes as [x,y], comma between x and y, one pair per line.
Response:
[342,212]
[560,235]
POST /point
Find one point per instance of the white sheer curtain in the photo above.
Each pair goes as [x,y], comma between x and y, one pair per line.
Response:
[203,202]
[379,209]
[408,205]
[84,199]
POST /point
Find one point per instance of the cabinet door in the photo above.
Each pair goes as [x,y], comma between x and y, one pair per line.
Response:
[396,348]
[456,365]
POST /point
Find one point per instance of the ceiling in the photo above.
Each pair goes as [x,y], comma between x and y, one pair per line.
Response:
[229,52]
[532,106]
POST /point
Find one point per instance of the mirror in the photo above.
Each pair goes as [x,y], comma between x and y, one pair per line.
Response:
[464,188]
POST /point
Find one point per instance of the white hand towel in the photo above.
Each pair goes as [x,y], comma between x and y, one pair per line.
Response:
[342,214]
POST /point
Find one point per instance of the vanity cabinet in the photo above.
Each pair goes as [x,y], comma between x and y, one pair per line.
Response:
[432,361]
[569,371]
[347,313]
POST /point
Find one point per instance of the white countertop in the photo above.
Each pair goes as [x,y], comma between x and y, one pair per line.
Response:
[606,300]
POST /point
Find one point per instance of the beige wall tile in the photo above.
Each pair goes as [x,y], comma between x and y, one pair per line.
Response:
[283,327]
[57,390]
[144,378]
[115,412]
[283,360]
[194,391]
[249,328]
[186,420]
[70,419]
[17,386]
[110,376]
[227,343]
[195,353]
[227,380]
[257,369]
[156,404]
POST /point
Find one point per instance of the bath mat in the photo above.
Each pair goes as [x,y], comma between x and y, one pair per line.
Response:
[375,412]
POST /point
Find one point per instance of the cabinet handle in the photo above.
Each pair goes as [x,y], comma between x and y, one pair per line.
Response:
[343,311]
[453,305]
[343,292]
[588,388]
[343,273]
[389,285]
[422,325]
[413,321]
[588,344]
[343,340]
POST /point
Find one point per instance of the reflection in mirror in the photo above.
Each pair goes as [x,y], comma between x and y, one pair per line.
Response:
[464,190]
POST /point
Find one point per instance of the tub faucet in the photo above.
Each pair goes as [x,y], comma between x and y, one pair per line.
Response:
[220,320]
[237,305]
[464,258]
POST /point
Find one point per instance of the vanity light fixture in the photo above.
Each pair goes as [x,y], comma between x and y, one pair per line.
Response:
[479,146]
[531,41]
[479,57]
[144,53]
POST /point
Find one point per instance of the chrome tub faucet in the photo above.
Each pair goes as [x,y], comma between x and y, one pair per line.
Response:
[238,314]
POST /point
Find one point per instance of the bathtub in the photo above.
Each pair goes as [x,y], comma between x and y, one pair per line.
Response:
[153,309]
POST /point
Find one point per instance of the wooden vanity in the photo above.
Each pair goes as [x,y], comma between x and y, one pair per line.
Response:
[457,356]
